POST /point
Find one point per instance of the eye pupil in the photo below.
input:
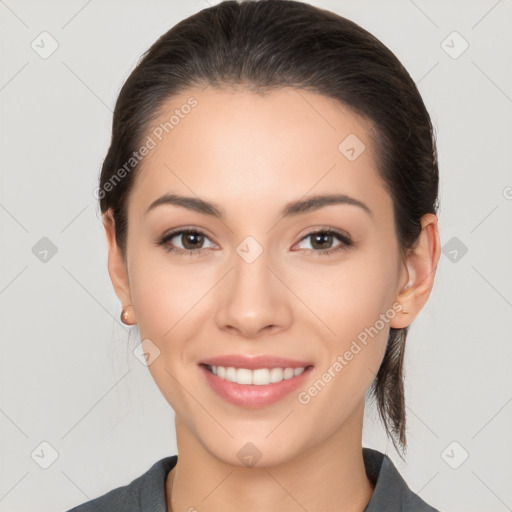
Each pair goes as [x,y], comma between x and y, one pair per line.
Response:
[196,240]
[324,239]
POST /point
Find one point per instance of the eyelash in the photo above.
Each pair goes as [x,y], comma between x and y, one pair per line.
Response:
[345,240]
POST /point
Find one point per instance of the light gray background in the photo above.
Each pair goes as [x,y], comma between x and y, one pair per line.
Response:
[68,375]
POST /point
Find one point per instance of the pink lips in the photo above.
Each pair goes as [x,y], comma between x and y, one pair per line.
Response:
[252,396]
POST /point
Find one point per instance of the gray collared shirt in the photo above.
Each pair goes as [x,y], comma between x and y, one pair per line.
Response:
[147,492]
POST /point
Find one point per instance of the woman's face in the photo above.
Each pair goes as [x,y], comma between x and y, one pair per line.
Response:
[257,286]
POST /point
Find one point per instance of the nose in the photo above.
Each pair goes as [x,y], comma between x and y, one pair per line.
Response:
[253,300]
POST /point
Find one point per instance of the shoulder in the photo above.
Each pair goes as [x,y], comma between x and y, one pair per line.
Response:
[391,492]
[147,492]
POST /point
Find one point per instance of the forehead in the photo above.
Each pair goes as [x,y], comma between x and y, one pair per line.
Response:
[256,149]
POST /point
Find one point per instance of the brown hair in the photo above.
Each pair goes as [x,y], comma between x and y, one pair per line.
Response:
[268,44]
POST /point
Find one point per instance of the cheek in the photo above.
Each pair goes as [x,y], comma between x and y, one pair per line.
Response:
[165,292]
[357,307]
[354,302]
[167,300]
[350,296]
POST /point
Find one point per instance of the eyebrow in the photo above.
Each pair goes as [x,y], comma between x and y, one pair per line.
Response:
[290,209]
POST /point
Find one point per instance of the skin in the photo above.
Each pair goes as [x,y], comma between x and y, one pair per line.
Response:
[251,154]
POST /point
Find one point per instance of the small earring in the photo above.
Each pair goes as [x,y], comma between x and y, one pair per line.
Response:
[125,315]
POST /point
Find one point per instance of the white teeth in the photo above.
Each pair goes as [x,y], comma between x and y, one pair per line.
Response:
[243,376]
[231,374]
[259,377]
[276,375]
[288,373]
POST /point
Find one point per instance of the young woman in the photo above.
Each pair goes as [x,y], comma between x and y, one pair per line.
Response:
[269,199]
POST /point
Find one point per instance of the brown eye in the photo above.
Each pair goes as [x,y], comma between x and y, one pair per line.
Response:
[185,241]
[191,240]
[326,241]
[321,240]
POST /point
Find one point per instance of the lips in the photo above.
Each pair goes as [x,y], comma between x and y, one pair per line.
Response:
[254,382]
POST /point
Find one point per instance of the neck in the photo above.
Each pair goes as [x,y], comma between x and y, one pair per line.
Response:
[330,476]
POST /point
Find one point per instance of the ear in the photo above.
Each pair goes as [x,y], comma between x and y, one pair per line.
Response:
[116,264]
[420,268]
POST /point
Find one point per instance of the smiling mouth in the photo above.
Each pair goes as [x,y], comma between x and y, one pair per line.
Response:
[257,377]
[267,381]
